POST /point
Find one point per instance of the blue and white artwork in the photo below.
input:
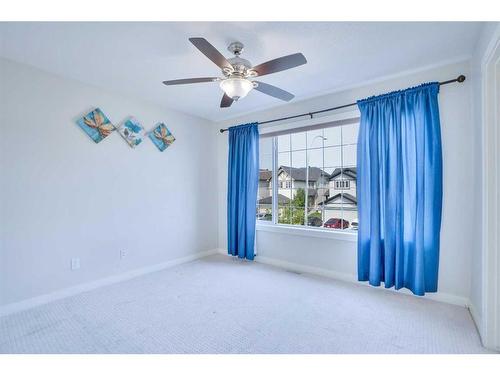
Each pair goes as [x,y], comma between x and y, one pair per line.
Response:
[96,125]
[132,131]
[161,136]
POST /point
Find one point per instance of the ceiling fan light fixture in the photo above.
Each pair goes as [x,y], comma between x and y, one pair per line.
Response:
[238,73]
[236,88]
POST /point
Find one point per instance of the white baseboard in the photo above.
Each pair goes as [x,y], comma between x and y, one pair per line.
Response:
[440,297]
[71,291]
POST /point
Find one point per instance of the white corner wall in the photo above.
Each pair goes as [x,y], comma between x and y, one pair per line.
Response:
[489,36]
[460,239]
[63,196]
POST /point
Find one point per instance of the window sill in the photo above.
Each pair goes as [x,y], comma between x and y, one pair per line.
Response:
[308,232]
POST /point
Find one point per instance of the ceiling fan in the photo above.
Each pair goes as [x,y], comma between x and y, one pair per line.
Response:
[238,72]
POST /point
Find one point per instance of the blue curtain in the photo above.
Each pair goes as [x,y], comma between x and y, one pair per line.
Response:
[399,189]
[242,185]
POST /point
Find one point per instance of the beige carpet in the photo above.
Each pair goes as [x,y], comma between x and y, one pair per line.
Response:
[222,305]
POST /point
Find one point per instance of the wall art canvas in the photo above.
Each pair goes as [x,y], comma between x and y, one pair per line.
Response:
[132,131]
[161,136]
[96,125]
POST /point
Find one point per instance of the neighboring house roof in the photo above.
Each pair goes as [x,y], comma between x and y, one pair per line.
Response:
[269,200]
[265,174]
[349,173]
[299,174]
[347,196]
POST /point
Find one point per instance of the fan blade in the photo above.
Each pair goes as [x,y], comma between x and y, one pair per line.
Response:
[279,64]
[226,101]
[211,52]
[190,80]
[271,90]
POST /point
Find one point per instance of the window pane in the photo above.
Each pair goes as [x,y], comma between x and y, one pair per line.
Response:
[332,136]
[350,134]
[349,155]
[299,161]
[298,205]
[265,161]
[298,141]
[266,146]
[315,139]
[284,159]
[315,157]
[333,157]
[284,143]
[297,215]
[264,211]
[284,214]
[284,184]
[315,218]
[265,195]
[341,207]
[265,177]
[318,177]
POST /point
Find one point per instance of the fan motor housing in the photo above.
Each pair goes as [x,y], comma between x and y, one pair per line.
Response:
[241,67]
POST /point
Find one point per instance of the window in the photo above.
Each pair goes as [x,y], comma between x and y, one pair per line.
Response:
[285,184]
[315,172]
[342,185]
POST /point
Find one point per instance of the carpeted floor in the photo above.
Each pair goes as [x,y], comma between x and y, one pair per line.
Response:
[223,305]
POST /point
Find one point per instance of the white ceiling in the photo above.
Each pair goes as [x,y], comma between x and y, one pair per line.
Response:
[134,58]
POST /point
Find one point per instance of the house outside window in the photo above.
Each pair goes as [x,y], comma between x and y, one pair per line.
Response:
[315,166]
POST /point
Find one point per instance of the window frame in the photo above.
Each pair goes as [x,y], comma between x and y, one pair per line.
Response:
[300,230]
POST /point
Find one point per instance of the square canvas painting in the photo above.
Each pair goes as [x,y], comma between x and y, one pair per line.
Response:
[161,136]
[132,131]
[96,125]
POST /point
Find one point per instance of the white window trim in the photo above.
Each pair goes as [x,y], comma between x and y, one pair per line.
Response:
[265,129]
[274,226]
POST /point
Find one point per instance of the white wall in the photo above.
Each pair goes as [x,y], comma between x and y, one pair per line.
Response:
[64,196]
[459,236]
[489,34]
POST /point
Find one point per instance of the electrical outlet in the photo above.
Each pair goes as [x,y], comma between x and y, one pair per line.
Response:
[123,253]
[75,263]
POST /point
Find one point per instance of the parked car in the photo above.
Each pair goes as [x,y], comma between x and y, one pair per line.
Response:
[336,223]
[354,224]
[314,221]
[264,216]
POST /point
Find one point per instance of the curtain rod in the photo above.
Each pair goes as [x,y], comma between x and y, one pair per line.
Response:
[459,79]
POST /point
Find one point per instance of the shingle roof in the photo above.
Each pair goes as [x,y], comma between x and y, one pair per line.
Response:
[299,174]
[350,172]
[265,174]
[347,196]
[269,200]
